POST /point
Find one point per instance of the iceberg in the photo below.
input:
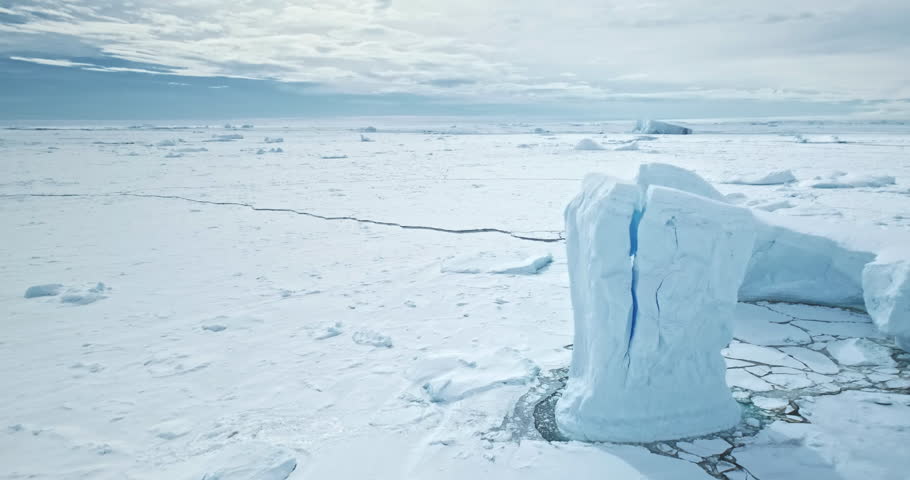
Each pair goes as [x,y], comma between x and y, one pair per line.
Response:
[654,277]
[656,268]
[655,127]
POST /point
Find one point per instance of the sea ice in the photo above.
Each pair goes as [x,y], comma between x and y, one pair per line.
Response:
[859,352]
[654,274]
[656,127]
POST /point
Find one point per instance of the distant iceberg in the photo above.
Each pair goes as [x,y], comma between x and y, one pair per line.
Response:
[655,127]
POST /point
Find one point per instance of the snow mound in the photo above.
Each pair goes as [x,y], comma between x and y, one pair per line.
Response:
[451,378]
[191,150]
[372,338]
[368,130]
[364,138]
[47,290]
[840,180]
[774,178]
[86,296]
[263,151]
[775,206]
[512,263]
[627,147]
[274,140]
[167,143]
[251,461]
[328,331]
[225,138]
[656,127]
[588,144]
[654,273]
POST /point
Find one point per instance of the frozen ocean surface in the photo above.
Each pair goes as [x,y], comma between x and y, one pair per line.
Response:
[382,309]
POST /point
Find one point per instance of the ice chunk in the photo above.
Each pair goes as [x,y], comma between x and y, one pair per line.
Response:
[855,181]
[627,147]
[513,263]
[860,352]
[450,378]
[793,266]
[774,178]
[654,276]
[369,337]
[675,177]
[588,144]
[656,127]
[886,290]
[85,297]
[816,361]
[47,290]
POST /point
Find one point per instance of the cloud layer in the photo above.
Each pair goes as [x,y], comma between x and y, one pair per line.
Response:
[530,51]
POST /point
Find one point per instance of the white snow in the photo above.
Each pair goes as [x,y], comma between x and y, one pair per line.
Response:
[588,144]
[626,147]
[656,127]
[779,177]
[132,386]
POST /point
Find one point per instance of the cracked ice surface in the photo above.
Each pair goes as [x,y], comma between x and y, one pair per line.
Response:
[134,386]
[655,273]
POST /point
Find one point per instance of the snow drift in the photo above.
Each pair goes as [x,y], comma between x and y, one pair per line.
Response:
[774,178]
[588,144]
[655,127]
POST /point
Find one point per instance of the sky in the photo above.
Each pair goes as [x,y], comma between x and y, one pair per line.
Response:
[574,58]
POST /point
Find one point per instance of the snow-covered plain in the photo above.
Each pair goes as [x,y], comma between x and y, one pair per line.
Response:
[398,308]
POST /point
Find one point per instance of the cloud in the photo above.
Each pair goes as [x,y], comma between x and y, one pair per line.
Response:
[52,62]
[475,49]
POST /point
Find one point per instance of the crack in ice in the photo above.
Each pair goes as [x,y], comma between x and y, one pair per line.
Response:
[516,235]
